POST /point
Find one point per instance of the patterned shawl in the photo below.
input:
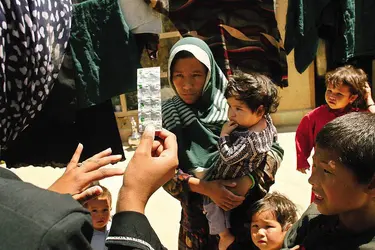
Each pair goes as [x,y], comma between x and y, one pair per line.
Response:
[197,126]
[34,35]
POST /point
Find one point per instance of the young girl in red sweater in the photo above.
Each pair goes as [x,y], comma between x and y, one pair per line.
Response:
[347,91]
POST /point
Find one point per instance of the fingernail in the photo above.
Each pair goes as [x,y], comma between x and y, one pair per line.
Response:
[97,191]
[119,156]
[108,150]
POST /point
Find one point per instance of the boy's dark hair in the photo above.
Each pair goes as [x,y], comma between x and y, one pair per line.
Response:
[254,89]
[284,209]
[352,77]
[352,138]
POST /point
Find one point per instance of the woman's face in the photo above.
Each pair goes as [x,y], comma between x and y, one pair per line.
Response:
[188,77]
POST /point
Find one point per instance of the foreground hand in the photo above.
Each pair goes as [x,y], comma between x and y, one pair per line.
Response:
[76,179]
[153,164]
[218,193]
[228,127]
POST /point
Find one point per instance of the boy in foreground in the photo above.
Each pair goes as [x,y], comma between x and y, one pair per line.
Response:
[342,179]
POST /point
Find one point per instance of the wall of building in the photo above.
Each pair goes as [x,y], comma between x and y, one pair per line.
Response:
[299,97]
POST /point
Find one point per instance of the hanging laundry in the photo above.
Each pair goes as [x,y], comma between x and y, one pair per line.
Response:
[104,52]
[140,18]
[145,24]
[344,24]
[242,34]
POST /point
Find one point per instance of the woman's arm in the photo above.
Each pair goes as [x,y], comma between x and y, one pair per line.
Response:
[217,191]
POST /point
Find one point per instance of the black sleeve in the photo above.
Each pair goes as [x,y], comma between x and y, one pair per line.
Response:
[7,174]
[72,232]
[298,232]
[132,230]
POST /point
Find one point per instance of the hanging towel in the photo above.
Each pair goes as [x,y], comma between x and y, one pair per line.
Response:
[345,24]
[104,52]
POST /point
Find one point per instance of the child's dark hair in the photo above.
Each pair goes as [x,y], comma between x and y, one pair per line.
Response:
[352,77]
[352,138]
[284,209]
[254,89]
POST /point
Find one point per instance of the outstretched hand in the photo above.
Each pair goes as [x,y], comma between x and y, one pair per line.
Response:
[78,176]
[153,164]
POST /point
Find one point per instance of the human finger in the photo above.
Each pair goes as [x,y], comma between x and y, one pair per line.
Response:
[88,194]
[303,171]
[155,145]
[158,151]
[234,204]
[75,158]
[102,154]
[170,141]
[101,174]
[224,206]
[163,134]
[228,183]
[233,198]
[230,205]
[93,164]
[145,145]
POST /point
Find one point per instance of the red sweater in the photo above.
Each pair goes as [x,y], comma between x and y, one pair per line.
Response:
[308,129]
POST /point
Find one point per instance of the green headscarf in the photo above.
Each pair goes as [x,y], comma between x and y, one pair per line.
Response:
[197,126]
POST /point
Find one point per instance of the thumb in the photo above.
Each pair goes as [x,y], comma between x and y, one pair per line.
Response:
[228,183]
[145,146]
[88,194]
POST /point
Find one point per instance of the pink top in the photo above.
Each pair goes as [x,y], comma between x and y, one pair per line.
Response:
[309,128]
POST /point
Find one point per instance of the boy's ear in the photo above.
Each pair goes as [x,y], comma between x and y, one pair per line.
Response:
[287,226]
[260,110]
[352,98]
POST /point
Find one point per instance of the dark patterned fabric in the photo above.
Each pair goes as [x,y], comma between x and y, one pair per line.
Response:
[242,34]
[34,36]
[243,151]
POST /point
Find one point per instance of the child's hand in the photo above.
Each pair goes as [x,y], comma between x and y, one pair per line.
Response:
[303,170]
[228,127]
[367,94]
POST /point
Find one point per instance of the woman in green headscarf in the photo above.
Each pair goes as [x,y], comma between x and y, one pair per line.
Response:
[196,115]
